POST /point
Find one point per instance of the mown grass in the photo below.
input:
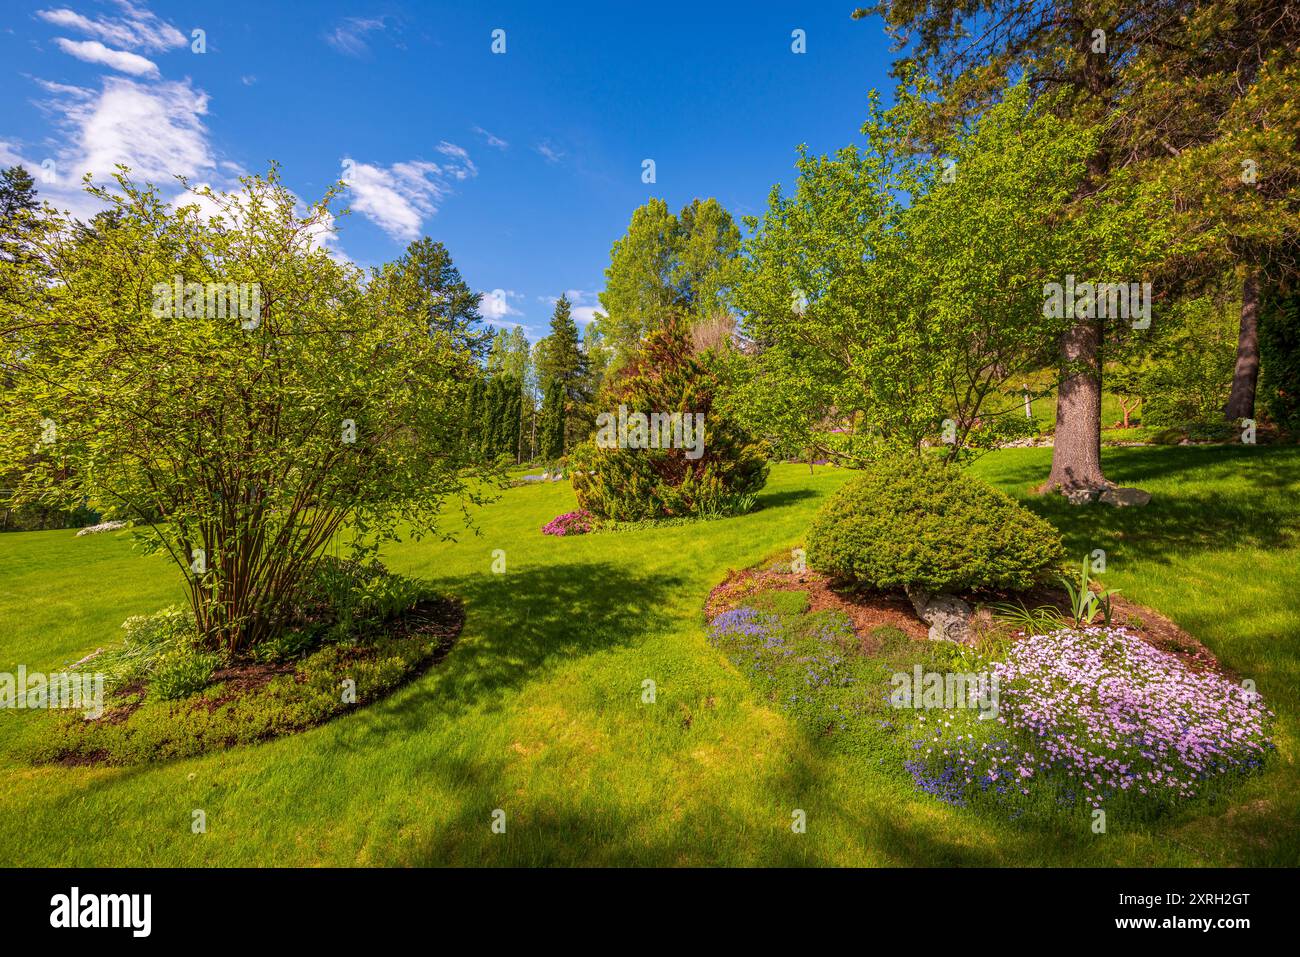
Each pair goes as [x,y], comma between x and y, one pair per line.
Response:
[538,710]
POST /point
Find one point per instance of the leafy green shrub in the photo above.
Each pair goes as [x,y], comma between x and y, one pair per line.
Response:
[149,640]
[347,599]
[1279,347]
[287,645]
[914,522]
[637,483]
[181,673]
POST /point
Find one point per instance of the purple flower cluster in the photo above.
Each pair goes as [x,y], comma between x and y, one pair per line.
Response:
[570,523]
[1117,714]
[746,623]
[1103,713]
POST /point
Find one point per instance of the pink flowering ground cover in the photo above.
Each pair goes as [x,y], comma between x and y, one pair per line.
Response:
[570,523]
[1095,717]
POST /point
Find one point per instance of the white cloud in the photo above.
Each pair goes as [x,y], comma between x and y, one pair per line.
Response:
[548,150]
[495,141]
[496,304]
[156,130]
[465,167]
[136,29]
[349,37]
[92,51]
[400,197]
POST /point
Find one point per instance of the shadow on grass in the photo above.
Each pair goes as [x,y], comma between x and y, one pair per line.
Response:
[530,619]
[768,500]
[1190,515]
[706,832]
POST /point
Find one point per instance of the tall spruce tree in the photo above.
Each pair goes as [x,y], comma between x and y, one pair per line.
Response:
[450,304]
[560,359]
[18,206]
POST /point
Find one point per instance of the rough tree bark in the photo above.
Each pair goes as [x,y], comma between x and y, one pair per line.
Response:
[1241,401]
[1076,454]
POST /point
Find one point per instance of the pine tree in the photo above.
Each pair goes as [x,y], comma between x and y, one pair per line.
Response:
[18,206]
[451,305]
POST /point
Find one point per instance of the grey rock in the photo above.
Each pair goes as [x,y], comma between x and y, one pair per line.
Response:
[1121,497]
[1081,496]
[947,615]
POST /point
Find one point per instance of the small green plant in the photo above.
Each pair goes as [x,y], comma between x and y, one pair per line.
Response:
[1086,604]
[289,644]
[181,673]
[148,640]
[1032,621]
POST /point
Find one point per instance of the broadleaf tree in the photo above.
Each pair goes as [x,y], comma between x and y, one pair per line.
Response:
[210,374]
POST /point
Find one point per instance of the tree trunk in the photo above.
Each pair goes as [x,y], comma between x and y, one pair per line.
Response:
[1241,401]
[1076,454]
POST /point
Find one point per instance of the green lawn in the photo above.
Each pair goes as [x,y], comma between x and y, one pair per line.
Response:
[538,710]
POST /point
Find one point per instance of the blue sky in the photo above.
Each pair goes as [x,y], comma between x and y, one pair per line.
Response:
[526,164]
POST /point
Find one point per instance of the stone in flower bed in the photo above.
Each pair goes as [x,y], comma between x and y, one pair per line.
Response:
[570,523]
[1096,716]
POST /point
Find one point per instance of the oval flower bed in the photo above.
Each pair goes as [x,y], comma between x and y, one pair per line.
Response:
[1083,718]
[362,634]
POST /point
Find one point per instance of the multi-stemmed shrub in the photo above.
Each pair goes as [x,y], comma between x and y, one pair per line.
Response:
[635,484]
[912,522]
[237,437]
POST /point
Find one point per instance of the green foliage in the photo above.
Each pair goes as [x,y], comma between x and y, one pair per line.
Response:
[500,419]
[180,673]
[347,600]
[253,437]
[1279,346]
[1086,604]
[878,318]
[912,522]
[149,639]
[665,263]
[562,366]
[1183,373]
[443,300]
[633,484]
[550,439]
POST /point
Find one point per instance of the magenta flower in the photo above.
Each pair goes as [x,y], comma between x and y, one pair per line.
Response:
[570,523]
